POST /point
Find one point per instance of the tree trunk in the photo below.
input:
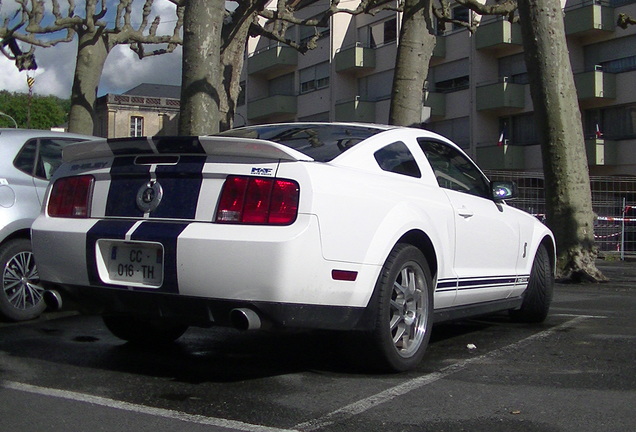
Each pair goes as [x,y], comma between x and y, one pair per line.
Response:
[415,49]
[558,120]
[201,75]
[92,50]
[232,59]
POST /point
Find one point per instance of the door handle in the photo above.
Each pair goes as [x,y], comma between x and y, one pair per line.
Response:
[464,212]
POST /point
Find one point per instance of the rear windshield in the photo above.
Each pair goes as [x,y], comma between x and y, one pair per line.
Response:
[322,142]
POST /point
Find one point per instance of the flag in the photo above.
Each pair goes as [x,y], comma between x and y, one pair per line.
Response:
[502,137]
[599,134]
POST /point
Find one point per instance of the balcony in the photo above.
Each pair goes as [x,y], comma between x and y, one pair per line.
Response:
[355,59]
[498,34]
[506,156]
[273,61]
[355,110]
[597,85]
[589,18]
[436,102]
[600,152]
[277,107]
[501,95]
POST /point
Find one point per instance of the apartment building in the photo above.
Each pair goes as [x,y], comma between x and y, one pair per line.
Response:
[477,90]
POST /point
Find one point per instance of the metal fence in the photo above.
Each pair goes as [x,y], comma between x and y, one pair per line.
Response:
[613,201]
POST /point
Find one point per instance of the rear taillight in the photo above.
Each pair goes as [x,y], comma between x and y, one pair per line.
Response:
[70,197]
[257,200]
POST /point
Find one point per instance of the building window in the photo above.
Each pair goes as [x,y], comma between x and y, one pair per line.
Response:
[614,123]
[520,130]
[457,129]
[460,13]
[376,87]
[314,78]
[136,126]
[513,69]
[449,77]
[282,85]
[379,34]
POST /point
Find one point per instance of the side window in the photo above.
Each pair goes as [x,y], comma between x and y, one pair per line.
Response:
[25,160]
[453,170]
[50,156]
[41,157]
[398,159]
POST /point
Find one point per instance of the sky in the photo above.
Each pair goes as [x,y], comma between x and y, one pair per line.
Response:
[123,69]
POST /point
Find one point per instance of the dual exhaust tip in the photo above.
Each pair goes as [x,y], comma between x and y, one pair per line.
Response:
[241,318]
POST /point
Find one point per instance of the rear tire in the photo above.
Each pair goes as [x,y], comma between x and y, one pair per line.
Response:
[404,311]
[21,296]
[538,296]
[143,331]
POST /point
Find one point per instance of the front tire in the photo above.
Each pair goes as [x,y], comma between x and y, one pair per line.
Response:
[404,311]
[21,296]
[538,296]
[143,331]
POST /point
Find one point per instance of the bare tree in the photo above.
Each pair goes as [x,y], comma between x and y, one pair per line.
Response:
[558,119]
[95,40]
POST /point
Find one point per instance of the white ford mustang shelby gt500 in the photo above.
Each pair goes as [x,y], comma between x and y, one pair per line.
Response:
[376,230]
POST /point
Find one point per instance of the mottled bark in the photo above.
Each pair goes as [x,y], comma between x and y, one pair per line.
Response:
[200,99]
[558,119]
[92,50]
[415,48]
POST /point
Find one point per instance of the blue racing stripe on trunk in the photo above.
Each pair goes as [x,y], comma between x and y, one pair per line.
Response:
[116,230]
[181,184]
[178,144]
[166,234]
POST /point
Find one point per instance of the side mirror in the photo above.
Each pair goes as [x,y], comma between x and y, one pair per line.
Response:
[502,190]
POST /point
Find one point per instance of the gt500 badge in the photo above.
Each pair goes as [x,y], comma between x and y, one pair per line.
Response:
[262,171]
[149,196]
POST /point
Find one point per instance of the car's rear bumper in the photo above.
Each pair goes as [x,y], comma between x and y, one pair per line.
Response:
[195,311]
[205,261]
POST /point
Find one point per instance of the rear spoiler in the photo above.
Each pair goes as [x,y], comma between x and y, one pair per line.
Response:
[191,145]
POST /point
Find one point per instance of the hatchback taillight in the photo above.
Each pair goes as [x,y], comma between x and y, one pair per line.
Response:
[71,196]
[257,200]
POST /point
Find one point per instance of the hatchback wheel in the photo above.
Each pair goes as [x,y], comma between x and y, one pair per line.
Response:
[21,296]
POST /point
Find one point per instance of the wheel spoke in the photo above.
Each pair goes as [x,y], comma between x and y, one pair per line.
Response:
[19,281]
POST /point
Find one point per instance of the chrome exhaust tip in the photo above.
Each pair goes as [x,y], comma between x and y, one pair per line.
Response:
[245,319]
[53,300]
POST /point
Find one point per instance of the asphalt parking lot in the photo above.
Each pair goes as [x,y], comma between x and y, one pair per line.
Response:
[575,372]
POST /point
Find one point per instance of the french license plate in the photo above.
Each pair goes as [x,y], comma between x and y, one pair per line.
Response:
[133,263]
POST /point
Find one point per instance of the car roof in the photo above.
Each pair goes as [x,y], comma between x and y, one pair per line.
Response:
[321,141]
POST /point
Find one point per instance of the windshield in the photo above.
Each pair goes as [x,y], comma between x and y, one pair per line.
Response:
[321,141]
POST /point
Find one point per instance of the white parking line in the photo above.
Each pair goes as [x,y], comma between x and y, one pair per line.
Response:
[340,414]
[416,383]
[140,409]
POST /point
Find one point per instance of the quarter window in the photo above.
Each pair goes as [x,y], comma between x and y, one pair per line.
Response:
[453,170]
[41,157]
[398,159]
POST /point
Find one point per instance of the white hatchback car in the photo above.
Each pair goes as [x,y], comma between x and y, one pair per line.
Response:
[374,230]
[28,159]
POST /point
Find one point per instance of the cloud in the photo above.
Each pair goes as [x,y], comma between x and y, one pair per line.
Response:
[123,69]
